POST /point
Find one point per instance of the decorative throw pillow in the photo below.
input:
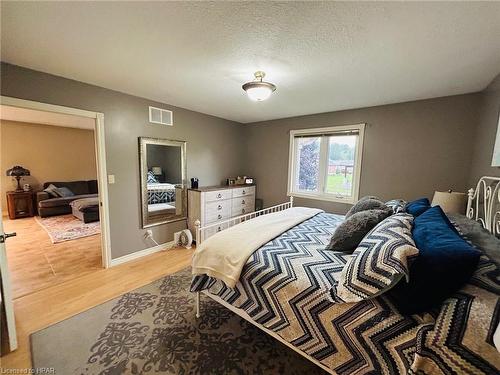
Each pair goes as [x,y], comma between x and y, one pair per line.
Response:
[380,260]
[64,192]
[418,207]
[152,178]
[445,263]
[351,231]
[366,203]
[473,232]
[396,205]
[52,191]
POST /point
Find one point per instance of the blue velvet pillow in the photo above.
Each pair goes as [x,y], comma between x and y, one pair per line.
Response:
[445,263]
[418,207]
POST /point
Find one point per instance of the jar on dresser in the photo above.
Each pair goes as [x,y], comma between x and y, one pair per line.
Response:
[215,204]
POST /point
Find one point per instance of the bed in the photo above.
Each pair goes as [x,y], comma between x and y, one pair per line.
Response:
[160,193]
[287,289]
[161,197]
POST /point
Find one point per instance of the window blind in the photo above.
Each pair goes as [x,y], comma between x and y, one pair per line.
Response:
[327,134]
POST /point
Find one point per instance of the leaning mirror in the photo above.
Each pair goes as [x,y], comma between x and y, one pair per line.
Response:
[163,181]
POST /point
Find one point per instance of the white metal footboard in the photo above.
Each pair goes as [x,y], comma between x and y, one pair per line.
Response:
[221,225]
[201,232]
[483,204]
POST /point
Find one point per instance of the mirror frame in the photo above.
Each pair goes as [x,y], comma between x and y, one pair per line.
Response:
[143,168]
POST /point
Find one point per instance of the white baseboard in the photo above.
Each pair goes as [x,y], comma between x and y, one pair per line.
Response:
[141,253]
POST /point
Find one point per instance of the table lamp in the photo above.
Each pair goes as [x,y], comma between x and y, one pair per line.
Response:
[157,171]
[17,172]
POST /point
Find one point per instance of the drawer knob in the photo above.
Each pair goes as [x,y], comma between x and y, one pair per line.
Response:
[219,229]
[219,207]
[220,216]
[243,210]
[219,195]
[243,201]
[243,191]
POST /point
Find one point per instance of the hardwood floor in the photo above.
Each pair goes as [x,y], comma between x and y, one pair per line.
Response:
[36,263]
[53,304]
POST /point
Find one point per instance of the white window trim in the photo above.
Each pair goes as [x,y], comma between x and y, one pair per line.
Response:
[321,195]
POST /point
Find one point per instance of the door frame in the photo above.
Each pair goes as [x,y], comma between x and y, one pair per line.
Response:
[100,149]
[6,296]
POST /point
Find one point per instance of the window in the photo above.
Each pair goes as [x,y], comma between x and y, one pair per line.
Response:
[325,163]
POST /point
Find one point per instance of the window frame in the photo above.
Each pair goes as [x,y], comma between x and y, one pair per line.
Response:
[323,174]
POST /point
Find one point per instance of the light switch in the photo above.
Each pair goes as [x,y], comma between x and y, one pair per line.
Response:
[111,178]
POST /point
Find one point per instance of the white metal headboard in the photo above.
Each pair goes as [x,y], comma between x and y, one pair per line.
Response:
[483,204]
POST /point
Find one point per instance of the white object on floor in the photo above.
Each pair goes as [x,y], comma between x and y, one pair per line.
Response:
[186,238]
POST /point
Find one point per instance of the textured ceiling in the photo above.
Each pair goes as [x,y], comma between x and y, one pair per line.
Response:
[323,56]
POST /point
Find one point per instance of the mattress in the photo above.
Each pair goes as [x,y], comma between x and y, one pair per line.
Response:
[288,286]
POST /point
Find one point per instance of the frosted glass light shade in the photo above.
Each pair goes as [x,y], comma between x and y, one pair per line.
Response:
[259,90]
[259,93]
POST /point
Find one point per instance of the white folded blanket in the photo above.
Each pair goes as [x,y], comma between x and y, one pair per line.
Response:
[224,254]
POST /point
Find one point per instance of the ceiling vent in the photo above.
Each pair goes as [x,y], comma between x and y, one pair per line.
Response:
[161,116]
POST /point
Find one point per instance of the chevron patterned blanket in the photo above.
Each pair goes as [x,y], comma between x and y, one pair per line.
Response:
[161,193]
[288,286]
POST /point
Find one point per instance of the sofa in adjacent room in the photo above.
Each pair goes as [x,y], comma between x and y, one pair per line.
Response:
[49,205]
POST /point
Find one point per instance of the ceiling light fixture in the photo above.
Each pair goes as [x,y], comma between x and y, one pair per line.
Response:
[259,90]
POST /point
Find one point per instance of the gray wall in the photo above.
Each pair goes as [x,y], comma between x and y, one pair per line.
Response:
[213,144]
[410,149]
[489,108]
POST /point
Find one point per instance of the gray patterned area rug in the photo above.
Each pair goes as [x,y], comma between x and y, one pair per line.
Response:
[154,330]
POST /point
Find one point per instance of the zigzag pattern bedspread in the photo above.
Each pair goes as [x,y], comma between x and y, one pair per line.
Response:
[161,193]
[288,286]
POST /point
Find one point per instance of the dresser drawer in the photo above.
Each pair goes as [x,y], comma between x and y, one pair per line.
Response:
[215,229]
[217,195]
[241,192]
[217,210]
[242,210]
[248,200]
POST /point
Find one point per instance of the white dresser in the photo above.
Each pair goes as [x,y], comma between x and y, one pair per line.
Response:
[218,203]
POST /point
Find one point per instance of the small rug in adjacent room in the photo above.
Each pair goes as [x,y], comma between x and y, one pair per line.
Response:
[67,227]
[154,330]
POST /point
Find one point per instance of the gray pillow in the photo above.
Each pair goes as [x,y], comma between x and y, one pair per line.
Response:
[52,191]
[396,205]
[366,203]
[64,192]
[351,232]
[474,232]
[380,261]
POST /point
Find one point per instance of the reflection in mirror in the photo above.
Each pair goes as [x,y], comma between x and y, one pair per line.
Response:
[163,180]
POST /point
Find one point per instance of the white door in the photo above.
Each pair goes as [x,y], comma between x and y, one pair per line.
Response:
[6,296]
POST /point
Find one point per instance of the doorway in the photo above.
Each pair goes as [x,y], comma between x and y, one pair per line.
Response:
[54,193]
